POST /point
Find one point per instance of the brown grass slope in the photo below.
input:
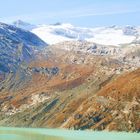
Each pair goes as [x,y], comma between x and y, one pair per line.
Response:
[83,95]
[115,107]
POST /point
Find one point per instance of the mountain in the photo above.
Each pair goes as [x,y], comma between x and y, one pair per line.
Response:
[75,91]
[74,84]
[60,32]
[88,47]
[120,42]
[127,54]
[16,46]
[51,92]
[102,35]
[23,25]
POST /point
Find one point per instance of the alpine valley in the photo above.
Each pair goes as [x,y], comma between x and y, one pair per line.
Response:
[63,76]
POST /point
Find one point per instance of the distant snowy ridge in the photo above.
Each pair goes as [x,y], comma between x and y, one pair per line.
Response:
[101,35]
[23,25]
[112,35]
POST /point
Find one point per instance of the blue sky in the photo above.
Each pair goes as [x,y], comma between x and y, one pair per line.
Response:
[87,13]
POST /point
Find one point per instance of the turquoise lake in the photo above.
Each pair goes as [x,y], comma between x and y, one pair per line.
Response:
[55,134]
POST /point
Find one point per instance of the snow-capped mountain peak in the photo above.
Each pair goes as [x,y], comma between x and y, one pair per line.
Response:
[101,35]
[60,32]
[23,25]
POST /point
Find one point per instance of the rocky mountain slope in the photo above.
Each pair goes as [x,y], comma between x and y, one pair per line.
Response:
[112,40]
[126,54]
[118,101]
[123,42]
[16,46]
[74,85]
[87,92]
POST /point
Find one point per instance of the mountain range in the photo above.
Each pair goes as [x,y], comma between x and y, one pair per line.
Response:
[120,42]
[60,32]
[62,76]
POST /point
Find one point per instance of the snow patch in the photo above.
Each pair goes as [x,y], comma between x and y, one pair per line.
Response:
[53,34]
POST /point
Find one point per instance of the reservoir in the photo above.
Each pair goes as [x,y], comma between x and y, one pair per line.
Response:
[9,133]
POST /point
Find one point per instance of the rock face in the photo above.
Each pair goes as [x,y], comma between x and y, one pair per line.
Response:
[16,45]
[128,54]
[88,47]
[47,71]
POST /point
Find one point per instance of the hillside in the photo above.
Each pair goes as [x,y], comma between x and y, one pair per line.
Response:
[72,84]
[16,46]
[89,94]
[115,107]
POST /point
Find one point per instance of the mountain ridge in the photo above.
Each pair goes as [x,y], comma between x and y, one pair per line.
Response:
[111,35]
[16,45]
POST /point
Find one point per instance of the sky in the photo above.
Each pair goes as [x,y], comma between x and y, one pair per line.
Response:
[87,13]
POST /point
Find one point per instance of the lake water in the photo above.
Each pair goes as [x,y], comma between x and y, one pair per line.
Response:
[55,134]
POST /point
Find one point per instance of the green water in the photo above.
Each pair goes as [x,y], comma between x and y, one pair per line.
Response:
[54,134]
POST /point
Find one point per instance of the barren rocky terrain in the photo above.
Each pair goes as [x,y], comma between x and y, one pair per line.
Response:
[74,85]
